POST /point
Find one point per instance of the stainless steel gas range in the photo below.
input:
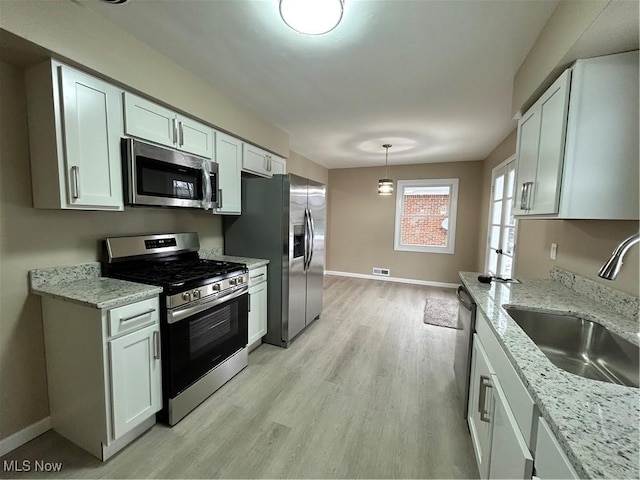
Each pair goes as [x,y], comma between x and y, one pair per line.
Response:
[204,313]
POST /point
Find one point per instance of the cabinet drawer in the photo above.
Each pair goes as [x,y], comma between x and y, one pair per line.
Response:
[130,317]
[517,396]
[257,275]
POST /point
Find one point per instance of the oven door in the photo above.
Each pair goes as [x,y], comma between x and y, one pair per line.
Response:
[200,336]
[158,176]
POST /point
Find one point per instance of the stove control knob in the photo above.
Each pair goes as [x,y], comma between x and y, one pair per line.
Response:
[196,294]
[217,287]
[186,296]
[233,281]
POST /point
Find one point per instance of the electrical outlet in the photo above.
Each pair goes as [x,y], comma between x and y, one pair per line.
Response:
[554,251]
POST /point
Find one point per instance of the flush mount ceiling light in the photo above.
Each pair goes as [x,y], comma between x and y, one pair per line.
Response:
[312,17]
[385,185]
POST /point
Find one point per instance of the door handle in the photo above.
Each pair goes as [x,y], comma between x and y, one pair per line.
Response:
[529,194]
[181,134]
[219,198]
[138,315]
[523,193]
[485,384]
[312,231]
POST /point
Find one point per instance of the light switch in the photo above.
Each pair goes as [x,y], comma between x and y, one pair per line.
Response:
[554,251]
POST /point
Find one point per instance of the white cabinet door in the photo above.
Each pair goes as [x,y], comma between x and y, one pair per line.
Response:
[480,407]
[195,137]
[527,159]
[553,106]
[228,156]
[551,462]
[258,312]
[135,378]
[255,160]
[510,456]
[92,126]
[278,165]
[540,151]
[149,121]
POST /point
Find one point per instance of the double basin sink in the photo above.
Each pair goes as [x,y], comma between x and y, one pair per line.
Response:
[580,346]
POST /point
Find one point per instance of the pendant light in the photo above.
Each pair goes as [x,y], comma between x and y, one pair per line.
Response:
[312,17]
[385,185]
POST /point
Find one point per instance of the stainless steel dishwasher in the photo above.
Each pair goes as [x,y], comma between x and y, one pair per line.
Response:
[464,341]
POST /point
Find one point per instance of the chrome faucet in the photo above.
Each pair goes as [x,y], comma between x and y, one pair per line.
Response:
[610,269]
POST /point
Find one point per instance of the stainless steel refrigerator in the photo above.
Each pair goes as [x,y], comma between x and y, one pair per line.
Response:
[283,220]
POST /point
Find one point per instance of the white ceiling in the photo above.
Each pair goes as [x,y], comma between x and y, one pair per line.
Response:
[433,78]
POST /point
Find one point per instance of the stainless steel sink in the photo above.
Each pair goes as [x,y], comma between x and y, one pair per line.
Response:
[580,346]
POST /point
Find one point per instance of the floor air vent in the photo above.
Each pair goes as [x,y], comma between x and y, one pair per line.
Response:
[381,271]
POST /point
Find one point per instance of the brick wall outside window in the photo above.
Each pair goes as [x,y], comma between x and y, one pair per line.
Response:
[422,224]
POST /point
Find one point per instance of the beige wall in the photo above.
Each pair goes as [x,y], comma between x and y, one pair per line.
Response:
[302,166]
[31,238]
[360,224]
[583,246]
[78,36]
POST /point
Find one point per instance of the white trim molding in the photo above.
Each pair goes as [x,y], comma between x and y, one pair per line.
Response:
[25,435]
[392,279]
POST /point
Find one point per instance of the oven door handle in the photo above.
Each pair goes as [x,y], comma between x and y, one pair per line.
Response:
[176,315]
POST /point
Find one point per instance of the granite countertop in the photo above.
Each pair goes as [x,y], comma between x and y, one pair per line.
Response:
[596,423]
[82,284]
[216,254]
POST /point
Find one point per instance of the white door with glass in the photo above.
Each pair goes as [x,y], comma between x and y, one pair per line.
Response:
[502,224]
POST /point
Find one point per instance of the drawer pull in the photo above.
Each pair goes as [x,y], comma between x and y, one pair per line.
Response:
[257,276]
[133,317]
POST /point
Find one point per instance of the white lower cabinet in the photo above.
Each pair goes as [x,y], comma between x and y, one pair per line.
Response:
[551,462]
[103,372]
[258,305]
[501,414]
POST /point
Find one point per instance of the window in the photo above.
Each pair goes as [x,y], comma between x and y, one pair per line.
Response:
[426,215]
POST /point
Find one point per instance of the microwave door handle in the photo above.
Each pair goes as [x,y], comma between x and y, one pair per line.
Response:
[206,190]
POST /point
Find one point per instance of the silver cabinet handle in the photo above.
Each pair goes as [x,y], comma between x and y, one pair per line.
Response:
[133,317]
[156,345]
[219,198]
[257,276]
[249,300]
[485,384]
[266,162]
[75,181]
[529,195]
[181,133]
[175,131]
[523,199]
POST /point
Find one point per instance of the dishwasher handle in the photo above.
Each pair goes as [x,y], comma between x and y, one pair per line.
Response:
[464,298]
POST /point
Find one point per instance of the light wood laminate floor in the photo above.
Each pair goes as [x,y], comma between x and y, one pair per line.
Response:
[366,392]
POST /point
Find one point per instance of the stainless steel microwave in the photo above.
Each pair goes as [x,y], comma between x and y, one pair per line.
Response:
[159,176]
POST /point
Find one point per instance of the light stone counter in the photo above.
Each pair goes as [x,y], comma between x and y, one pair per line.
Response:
[216,254]
[83,284]
[597,423]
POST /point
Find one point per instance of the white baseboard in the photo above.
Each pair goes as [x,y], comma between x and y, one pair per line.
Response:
[25,435]
[392,279]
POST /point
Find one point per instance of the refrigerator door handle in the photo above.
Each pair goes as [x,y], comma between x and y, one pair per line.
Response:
[306,240]
[312,231]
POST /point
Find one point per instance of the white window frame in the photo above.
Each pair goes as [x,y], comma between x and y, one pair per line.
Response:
[452,183]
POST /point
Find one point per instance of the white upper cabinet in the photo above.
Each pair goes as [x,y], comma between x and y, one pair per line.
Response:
[260,162]
[157,124]
[228,156]
[75,124]
[577,146]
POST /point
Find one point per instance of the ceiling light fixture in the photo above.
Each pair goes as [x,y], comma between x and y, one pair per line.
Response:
[312,17]
[385,185]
